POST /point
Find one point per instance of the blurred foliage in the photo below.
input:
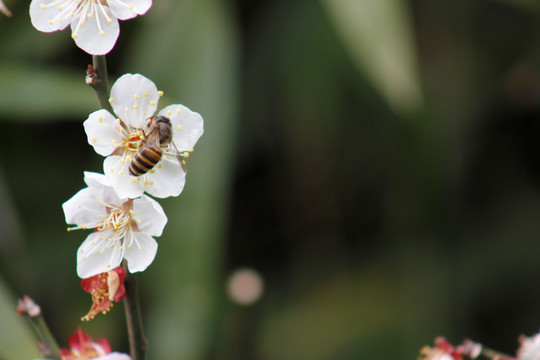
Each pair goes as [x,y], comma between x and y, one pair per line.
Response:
[375,161]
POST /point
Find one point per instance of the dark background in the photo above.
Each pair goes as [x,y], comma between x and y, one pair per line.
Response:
[380,174]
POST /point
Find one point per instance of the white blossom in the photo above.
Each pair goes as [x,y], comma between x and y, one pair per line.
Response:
[530,348]
[94,23]
[134,99]
[123,228]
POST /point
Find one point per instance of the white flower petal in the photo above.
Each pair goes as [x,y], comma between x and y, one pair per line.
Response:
[51,15]
[96,34]
[134,98]
[167,178]
[187,126]
[141,252]
[107,195]
[125,185]
[83,209]
[99,253]
[93,179]
[149,216]
[104,133]
[114,356]
[128,9]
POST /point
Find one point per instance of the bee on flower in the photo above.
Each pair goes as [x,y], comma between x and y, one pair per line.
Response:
[94,23]
[144,153]
[123,228]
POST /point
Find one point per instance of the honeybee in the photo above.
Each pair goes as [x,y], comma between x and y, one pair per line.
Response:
[157,136]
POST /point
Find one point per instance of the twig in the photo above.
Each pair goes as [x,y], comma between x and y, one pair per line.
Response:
[132,306]
[47,344]
[97,78]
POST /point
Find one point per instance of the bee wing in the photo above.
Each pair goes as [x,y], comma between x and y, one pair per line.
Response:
[152,138]
[173,150]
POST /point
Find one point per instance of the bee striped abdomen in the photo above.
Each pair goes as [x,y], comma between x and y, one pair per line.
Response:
[145,160]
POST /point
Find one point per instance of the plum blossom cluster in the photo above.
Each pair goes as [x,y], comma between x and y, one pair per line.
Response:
[114,205]
[144,152]
[529,349]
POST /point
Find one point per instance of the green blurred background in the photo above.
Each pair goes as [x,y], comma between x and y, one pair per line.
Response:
[377,162]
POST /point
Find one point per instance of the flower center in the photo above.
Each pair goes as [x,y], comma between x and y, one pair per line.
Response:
[119,220]
[133,141]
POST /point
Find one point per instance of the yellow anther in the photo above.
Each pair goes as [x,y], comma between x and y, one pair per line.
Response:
[100,119]
[169,112]
[178,111]
[135,106]
[179,127]
[160,165]
[121,172]
[60,8]
[136,96]
[185,154]
[190,150]
[42,5]
[153,103]
[112,170]
[89,15]
[81,22]
[74,36]
[127,110]
[50,22]
[94,140]
[160,93]
[111,100]
[130,6]
[152,171]
[145,94]
[144,112]
[84,258]
[102,33]
[68,229]
[109,20]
